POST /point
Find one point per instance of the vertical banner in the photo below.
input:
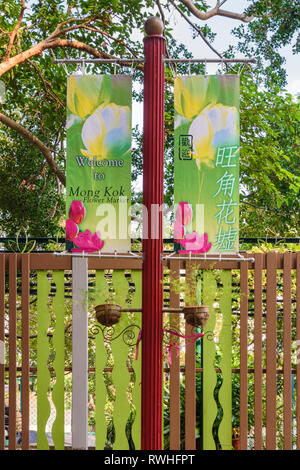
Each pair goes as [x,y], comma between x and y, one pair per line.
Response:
[206,182]
[98,162]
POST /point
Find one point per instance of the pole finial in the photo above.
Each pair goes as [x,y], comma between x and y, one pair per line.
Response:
[154,26]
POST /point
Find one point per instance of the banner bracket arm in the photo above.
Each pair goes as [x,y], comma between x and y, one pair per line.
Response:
[205,60]
[217,257]
[98,254]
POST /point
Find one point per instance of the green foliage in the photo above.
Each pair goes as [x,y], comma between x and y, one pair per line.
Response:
[274,26]
[188,288]
[270,179]
[31,196]
[30,199]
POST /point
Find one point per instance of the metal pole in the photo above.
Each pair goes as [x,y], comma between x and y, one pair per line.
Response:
[153,163]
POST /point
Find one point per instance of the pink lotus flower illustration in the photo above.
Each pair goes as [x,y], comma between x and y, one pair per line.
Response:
[72,230]
[195,243]
[191,242]
[184,213]
[77,212]
[88,242]
[179,231]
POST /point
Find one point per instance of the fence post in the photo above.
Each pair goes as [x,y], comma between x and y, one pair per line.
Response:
[2,351]
[79,353]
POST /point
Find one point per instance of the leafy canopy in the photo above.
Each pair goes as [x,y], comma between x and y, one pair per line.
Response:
[32,119]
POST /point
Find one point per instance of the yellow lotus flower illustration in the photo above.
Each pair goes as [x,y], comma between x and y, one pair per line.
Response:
[107,132]
[188,99]
[217,125]
[85,94]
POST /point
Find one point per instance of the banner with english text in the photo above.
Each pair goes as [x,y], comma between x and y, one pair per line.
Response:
[206,181]
[98,165]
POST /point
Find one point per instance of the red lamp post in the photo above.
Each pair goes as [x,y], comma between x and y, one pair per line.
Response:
[153,166]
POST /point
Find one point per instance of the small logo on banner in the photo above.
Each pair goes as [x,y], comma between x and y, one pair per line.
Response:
[185,147]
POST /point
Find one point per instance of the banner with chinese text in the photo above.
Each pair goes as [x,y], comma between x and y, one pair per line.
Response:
[206,181]
[98,162]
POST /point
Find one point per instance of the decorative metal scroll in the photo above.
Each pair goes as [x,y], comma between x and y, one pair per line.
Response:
[109,333]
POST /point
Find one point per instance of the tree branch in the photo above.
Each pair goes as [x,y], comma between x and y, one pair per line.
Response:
[46,84]
[37,49]
[15,30]
[161,12]
[162,15]
[104,33]
[199,32]
[75,44]
[215,11]
[10,63]
[37,143]
[58,32]
[235,16]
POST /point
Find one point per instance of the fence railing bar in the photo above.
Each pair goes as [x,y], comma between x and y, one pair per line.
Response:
[166,369]
[271,340]
[174,370]
[25,351]
[258,423]
[12,351]
[44,240]
[2,352]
